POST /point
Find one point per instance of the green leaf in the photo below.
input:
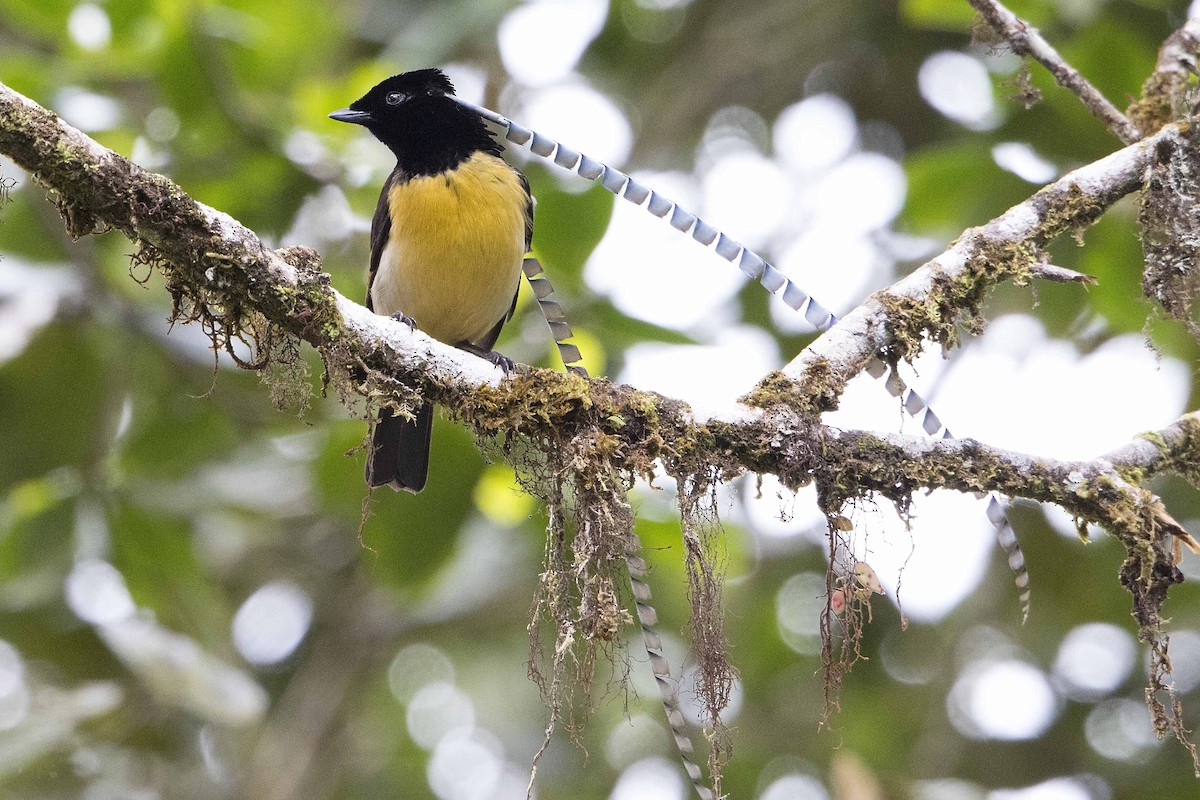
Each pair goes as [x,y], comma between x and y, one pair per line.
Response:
[155,554]
[35,535]
[52,401]
[22,231]
[1113,254]
[37,17]
[944,188]
[958,15]
[1114,55]
[176,425]
[950,15]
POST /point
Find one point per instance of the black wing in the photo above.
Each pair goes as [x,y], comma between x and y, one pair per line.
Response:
[381,227]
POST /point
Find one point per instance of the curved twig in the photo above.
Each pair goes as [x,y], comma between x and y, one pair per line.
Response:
[1025,40]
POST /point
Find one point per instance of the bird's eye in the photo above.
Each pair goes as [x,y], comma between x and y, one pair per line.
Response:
[395,98]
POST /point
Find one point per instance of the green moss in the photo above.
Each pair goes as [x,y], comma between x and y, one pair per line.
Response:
[953,301]
[1065,208]
[1181,456]
[1159,104]
[816,392]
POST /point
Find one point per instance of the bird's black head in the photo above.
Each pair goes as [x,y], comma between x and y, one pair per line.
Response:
[412,115]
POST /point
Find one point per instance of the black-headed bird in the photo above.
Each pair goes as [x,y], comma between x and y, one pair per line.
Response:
[451,229]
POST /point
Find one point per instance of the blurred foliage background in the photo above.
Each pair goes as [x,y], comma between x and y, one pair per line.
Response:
[191,603]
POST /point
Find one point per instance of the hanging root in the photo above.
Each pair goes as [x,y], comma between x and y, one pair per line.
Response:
[1148,571]
[552,603]
[843,613]
[635,566]
[715,672]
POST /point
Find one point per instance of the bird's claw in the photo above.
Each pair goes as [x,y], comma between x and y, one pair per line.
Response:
[400,316]
[497,359]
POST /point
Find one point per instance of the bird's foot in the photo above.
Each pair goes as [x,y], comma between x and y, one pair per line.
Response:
[502,361]
[400,316]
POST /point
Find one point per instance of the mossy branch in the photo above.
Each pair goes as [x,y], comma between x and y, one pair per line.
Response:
[1025,40]
[602,435]
[210,258]
[213,260]
[1173,450]
[939,298]
[1165,94]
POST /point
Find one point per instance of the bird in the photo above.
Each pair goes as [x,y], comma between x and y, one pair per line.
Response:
[450,232]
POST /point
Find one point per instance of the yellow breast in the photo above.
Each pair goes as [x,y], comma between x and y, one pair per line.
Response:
[453,257]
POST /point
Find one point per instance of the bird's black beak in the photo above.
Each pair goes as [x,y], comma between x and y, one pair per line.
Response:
[352,116]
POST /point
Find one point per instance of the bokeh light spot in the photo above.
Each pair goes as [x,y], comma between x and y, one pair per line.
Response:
[1053,789]
[464,765]
[541,41]
[96,592]
[959,87]
[89,26]
[415,666]
[863,193]
[88,111]
[815,133]
[1120,730]
[1023,161]
[14,693]
[649,779]
[1008,700]
[685,371]
[632,739]
[795,787]
[776,512]
[435,710]
[798,606]
[1093,660]
[581,118]
[747,196]
[1021,364]
[272,622]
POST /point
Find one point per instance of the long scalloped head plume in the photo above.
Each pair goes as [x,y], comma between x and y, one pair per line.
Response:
[756,268]
[543,290]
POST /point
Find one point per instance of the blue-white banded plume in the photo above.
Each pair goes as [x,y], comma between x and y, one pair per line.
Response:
[560,329]
[756,268]
[753,265]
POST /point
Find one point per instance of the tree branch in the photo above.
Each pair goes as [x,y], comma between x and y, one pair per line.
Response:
[221,274]
[1164,94]
[945,292]
[1025,40]
[1175,450]
[212,256]
[225,265]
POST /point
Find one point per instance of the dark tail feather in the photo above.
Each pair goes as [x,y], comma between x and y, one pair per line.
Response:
[399,455]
